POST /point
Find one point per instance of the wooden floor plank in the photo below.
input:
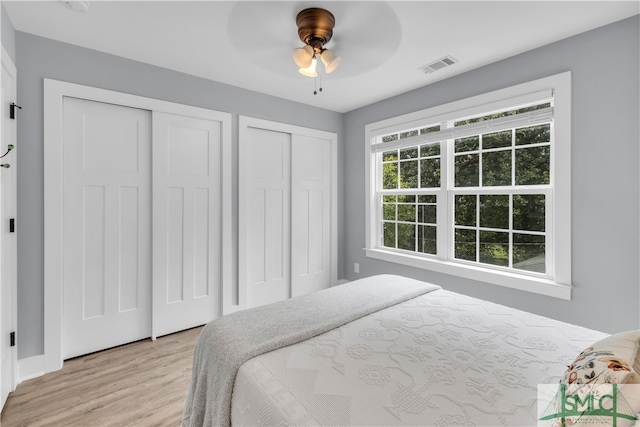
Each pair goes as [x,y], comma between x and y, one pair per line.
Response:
[138,384]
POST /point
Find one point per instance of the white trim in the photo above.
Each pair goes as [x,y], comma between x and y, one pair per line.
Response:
[11,70]
[561,177]
[31,367]
[243,184]
[245,123]
[560,228]
[54,92]
[227,212]
[507,279]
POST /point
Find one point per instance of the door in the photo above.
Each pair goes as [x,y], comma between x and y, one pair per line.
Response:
[8,245]
[285,215]
[267,263]
[310,214]
[99,233]
[187,223]
[106,226]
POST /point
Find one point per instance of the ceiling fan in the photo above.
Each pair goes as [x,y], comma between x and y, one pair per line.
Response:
[315,29]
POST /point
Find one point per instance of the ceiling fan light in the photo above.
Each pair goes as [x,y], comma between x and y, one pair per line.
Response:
[309,71]
[303,56]
[330,61]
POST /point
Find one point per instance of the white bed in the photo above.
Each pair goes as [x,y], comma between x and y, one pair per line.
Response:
[439,358]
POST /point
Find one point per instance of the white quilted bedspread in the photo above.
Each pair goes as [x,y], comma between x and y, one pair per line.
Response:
[439,359]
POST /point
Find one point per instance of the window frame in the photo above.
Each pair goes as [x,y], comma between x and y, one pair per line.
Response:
[557,282]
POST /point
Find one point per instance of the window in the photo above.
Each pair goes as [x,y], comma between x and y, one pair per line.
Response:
[479,188]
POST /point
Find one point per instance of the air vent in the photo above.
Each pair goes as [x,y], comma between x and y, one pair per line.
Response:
[78,6]
[439,64]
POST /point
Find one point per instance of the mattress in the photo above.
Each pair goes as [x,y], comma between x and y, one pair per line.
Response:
[438,359]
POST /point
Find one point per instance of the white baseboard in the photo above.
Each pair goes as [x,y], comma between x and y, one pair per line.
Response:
[342,282]
[31,367]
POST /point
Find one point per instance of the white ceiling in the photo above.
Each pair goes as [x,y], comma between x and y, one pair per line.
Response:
[382,44]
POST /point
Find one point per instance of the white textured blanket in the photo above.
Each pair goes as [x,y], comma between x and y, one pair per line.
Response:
[439,359]
[226,343]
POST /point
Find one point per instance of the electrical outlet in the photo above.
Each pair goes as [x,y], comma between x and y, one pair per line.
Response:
[356,267]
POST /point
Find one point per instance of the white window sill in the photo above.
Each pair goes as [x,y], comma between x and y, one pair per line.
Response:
[501,278]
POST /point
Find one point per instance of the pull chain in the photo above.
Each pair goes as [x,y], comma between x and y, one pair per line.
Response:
[315,85]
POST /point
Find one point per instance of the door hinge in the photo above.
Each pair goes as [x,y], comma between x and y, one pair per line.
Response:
[12,339]
[12,225]
[12,110]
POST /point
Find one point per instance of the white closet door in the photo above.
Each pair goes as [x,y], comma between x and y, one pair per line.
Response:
[265,265]
[285,212]
[187,227]
[106,228]
[310,214]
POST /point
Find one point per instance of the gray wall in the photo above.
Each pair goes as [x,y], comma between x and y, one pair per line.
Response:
[605,179]
[8,34]
[38,58]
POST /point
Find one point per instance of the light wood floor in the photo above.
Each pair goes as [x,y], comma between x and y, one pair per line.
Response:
[139,384]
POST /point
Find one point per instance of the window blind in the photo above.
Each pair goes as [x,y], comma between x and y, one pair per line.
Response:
[531,118]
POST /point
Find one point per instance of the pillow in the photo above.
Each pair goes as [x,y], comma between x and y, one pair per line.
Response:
[612,360]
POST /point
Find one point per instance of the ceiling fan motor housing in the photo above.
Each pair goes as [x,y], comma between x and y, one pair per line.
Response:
[315,27]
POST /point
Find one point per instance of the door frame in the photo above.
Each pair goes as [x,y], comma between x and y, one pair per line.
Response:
[54,93]
[245,123]
[10,288]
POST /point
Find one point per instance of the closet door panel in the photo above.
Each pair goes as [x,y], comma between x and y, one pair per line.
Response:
[265,266]
[187,227]
[106,232]
[129,248]
[311,214]
[175,245]
[201,249]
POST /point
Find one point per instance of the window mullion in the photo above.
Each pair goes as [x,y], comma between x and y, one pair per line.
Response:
[379,221]
[511,231]
[477,228]
[549,233]
[445,200]
[513,158]
[419,186]
[513,183]
[480,159]
[415,223]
